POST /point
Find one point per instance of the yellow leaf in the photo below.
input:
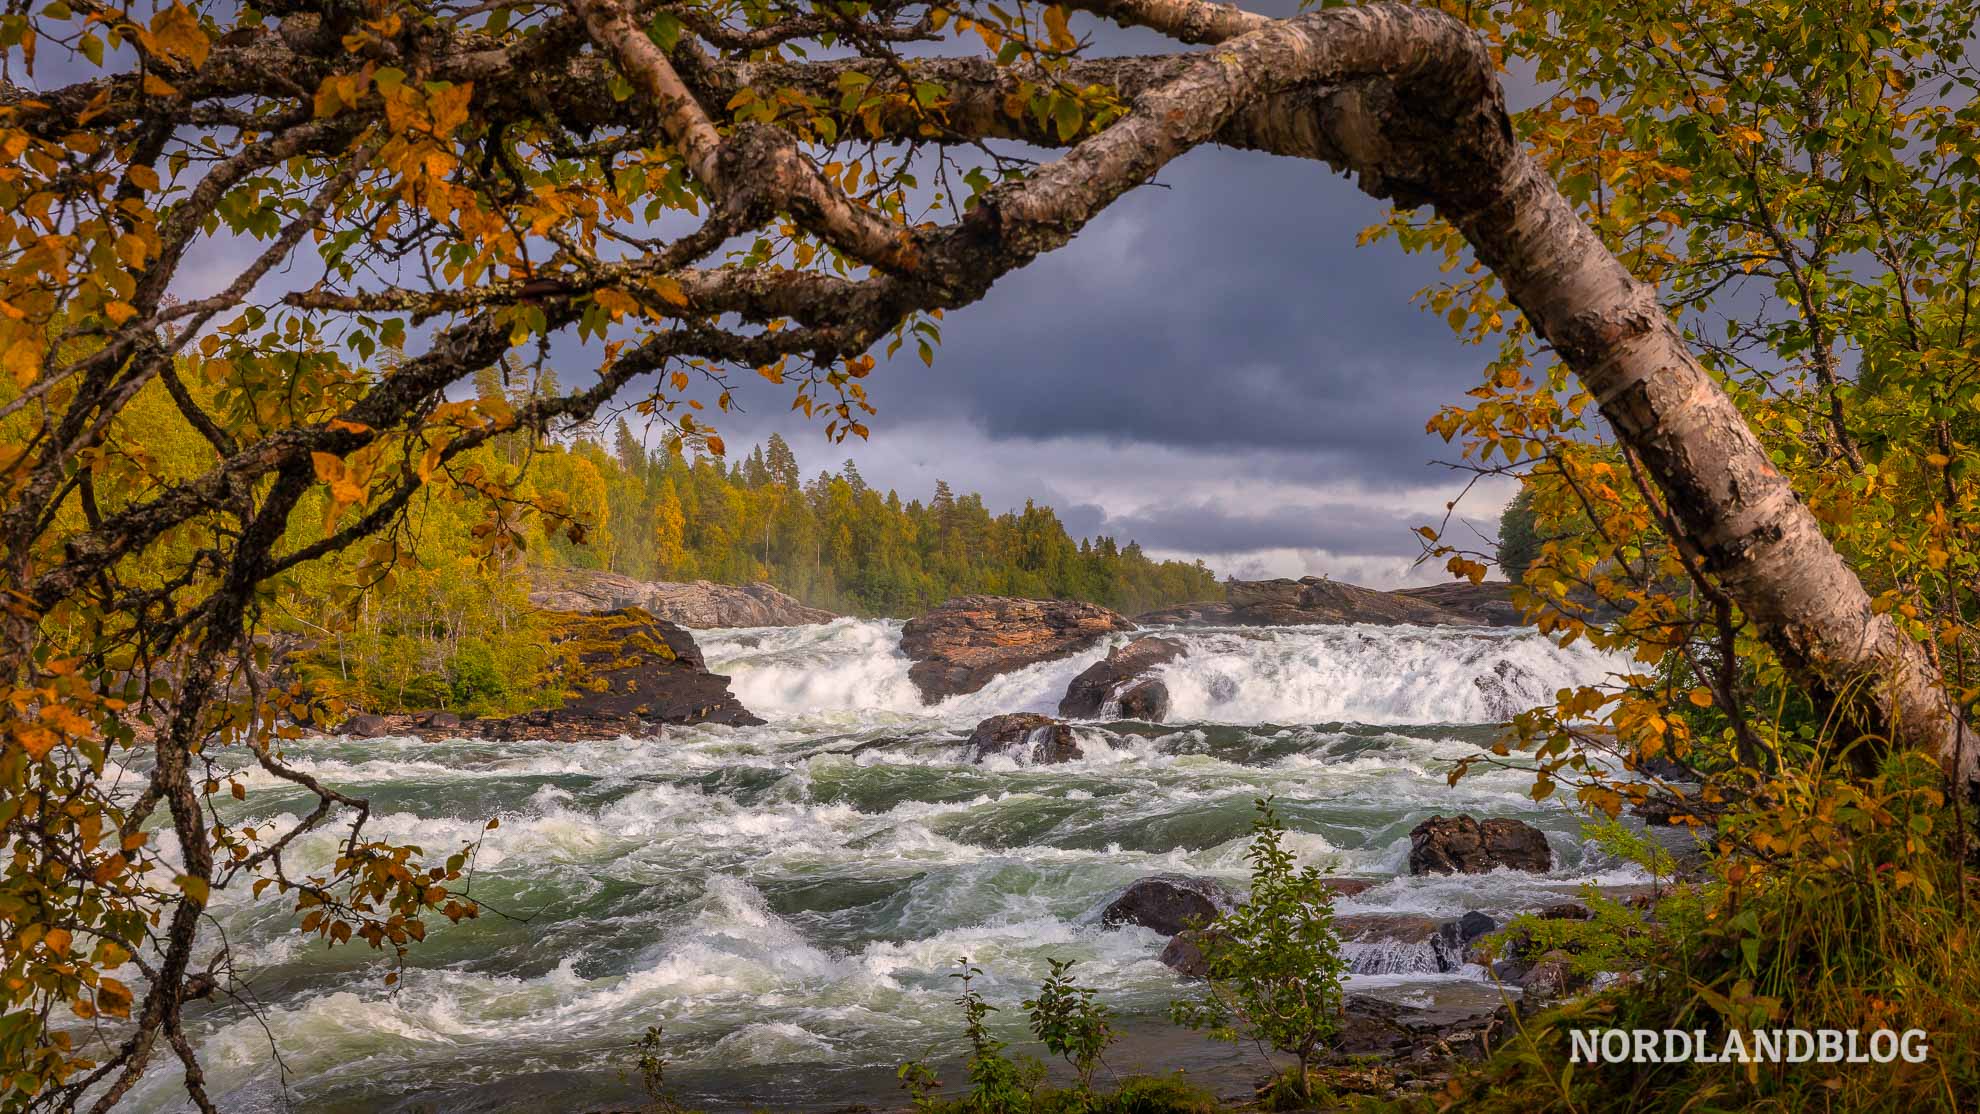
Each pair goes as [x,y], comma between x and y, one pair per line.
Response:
[329,467]
[120,312]
[669,289]
[155,86]
[449,106]
[1701,697]
[176,32]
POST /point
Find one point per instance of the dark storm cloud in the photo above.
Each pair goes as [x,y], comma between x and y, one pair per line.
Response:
[1228,307]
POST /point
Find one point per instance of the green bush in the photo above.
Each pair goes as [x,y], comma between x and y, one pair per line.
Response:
[474,678]
[1069,1023]
[1274,962]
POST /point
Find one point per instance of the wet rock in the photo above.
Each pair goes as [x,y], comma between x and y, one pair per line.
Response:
[1147,701]
[971,640]
[1464,845]
[367,726]
[1168,903]
[1088,694]
[1564,911]
[1452,943]
[1037,738]
[1551,976]
[697,605]
[1184,953]
[1348,887]
[1388,943]
[440,720]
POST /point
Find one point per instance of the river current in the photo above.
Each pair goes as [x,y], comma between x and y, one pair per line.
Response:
[788,901]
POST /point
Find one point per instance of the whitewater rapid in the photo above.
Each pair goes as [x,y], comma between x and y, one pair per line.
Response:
[788,901]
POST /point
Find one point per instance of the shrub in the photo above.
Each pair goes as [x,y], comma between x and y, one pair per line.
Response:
[1068,1022]
[1274,963]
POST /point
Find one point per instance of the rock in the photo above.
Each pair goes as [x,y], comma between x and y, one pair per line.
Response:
[1113,675]
[1209,613]
[1168,903]
[967,642]
[1050,740]
[1489,603]
[1184,953]
[1551,976]
[625,672]
[1147,701]
[367,726]
[1307,601]
[1564,911]
[1452,944]
[1463,845]
[1348,887]
[697,605]
[441,720]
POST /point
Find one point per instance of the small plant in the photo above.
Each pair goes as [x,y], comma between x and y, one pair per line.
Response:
[1274,963]
[1068,1022]
[998,1084]
[652,1068]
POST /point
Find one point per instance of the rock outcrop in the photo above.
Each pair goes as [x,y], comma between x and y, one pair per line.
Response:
[1489,603]
[1314,600]
[623,672]
[1464,845]
[698,605]
[1114,677]
[1168,903]
[1039,739]
[969,641]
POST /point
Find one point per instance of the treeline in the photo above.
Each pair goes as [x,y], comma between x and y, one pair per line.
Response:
[833,540]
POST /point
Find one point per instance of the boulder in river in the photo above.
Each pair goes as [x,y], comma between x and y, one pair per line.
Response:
[1464,845]
[367,726]
[1168,903]
[1147,701]
[1039,738]
[698,604]
[1184,953]
[1113,676]
[971,640]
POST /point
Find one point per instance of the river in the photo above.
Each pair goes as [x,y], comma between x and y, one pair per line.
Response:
[788,901]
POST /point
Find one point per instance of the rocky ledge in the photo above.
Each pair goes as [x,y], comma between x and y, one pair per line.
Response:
[623,671]
[969,641]
[1313,600]
[698,605]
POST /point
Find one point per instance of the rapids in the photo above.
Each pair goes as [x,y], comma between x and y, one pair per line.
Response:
[788,901]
